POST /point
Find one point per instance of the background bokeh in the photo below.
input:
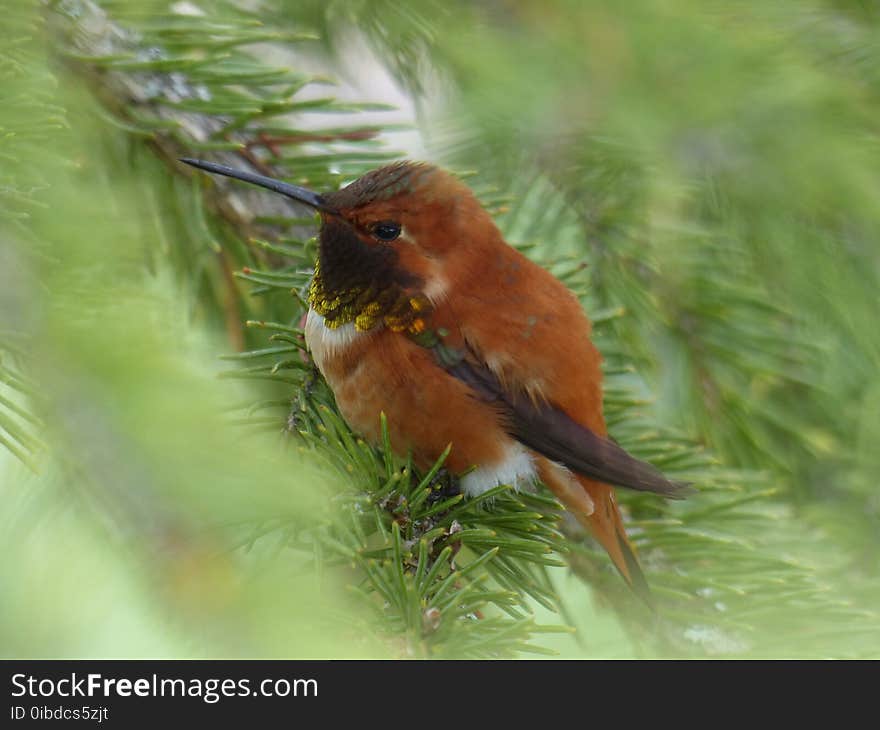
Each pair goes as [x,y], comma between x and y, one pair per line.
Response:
[704,174]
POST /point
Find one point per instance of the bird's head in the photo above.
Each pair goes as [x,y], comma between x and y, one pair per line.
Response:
[399,225]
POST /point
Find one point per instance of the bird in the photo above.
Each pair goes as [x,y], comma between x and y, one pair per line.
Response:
[421,311]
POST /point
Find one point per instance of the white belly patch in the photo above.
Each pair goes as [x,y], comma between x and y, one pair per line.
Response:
[516,469]
[324,342]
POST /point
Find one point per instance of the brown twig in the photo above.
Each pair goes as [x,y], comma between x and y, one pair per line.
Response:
[271,141]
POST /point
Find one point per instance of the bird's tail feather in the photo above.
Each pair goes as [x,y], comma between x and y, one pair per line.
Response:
[593,505]
[606,525]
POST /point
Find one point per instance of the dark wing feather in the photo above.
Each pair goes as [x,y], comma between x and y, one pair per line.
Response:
[553,433]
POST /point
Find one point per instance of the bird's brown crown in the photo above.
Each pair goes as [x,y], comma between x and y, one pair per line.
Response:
[383,184]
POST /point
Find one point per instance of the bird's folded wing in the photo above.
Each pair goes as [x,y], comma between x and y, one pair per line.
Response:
[551,432]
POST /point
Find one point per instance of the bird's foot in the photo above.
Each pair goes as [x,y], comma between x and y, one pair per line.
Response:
[443,486]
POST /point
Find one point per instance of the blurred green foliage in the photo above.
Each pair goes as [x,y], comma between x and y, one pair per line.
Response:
[714,164]
[118,545]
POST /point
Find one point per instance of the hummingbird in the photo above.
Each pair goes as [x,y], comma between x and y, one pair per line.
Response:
[420,310]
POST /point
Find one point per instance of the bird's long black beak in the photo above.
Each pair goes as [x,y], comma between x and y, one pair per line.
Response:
[302,195]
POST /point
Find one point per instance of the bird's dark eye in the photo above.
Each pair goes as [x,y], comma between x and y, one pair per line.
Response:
[386,230]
